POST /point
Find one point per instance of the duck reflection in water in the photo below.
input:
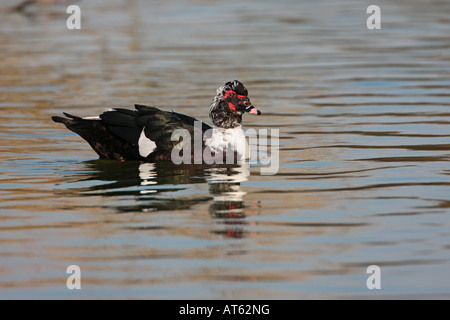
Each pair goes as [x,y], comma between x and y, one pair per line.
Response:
[167,187]
[227,206]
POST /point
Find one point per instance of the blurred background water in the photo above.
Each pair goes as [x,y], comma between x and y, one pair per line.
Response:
[364,155]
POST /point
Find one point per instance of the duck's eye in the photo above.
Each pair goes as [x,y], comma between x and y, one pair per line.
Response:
[229,95]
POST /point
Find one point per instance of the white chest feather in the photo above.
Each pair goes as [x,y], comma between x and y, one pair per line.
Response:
[228,140]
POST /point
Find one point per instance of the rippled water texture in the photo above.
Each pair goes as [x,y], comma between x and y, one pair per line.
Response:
[364,159]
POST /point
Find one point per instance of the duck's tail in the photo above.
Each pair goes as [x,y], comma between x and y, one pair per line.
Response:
[102,139]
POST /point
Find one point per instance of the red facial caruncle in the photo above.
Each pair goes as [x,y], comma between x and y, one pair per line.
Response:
[230,95]
[238,102]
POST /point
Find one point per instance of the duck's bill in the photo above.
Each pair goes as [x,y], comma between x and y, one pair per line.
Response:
[253,110]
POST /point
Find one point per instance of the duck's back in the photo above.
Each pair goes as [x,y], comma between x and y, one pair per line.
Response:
[141,134]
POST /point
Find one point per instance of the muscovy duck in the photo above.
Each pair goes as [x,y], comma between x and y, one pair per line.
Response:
[145,134]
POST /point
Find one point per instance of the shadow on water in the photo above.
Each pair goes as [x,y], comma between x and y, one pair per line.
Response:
[168,187]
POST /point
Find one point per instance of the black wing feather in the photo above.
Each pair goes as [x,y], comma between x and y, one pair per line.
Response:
[122,123]
[159,125]
[115,135]
[190,120]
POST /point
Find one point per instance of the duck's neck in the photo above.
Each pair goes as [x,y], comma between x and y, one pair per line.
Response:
[237,127]
[223,117]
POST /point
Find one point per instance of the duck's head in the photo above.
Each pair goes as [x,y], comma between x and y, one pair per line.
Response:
[230,102]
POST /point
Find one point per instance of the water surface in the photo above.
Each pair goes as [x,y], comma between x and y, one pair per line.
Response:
[364,151]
